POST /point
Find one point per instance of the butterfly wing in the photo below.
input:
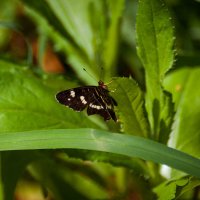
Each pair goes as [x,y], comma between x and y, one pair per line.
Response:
[105,113]
[76,98]
[95,98]
[101,103]
[96,106]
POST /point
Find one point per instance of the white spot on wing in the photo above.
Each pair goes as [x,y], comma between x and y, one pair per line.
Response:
[72,93]
[98,107]
[82,98]
[95,106]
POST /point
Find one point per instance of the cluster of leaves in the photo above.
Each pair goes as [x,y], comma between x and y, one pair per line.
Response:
[87,33]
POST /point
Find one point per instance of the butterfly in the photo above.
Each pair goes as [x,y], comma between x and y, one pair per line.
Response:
[95,98]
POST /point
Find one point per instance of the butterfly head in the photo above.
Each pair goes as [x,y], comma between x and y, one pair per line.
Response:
[102,84]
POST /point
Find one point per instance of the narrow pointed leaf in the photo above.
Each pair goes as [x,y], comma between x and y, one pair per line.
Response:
[97,140]
[112,40]
[155,48]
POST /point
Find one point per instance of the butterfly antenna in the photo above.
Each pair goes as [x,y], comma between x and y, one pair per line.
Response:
[101,73]
[90,74]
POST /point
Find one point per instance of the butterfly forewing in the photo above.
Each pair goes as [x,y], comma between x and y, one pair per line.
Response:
[74,98]
[95,98]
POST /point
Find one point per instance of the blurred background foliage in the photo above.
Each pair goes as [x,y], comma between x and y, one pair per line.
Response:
[56,40]
[22,28]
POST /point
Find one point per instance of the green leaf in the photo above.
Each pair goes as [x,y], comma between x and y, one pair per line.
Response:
[67,181]
[99,23]
[186,129]
[27,104]
[75,56]
[75,20]
[166,110]
[155,48]
[111,43]
[69,18]
[168,189]
[138,166]
[86,32]
[12,167]
[7,15]
[193,182]
[175,83]
[155,38]
[176,188]
[130,107]
[97,140]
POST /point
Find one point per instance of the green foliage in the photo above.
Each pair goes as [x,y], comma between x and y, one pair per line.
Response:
[167,190]
[155,48]
[12,172]
[186,134]
[186,126]
[132,116]
[173,189]
[95,157]
[91,139]
[111,45]
[93,47]
[27,100]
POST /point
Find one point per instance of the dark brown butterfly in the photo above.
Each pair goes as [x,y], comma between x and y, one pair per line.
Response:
[95,98]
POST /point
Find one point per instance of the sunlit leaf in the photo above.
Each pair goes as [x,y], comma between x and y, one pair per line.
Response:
[27,104]
[186,129]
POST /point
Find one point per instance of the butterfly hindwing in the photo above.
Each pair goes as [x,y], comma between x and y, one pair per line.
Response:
[101,103]
[97,105]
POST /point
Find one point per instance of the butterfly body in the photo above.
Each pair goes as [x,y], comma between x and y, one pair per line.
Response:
[95,98]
